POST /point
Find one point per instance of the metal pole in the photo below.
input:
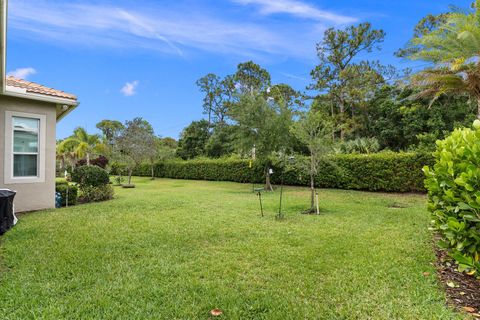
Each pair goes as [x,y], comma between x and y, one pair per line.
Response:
[66,200]
[280,215]
[260,198]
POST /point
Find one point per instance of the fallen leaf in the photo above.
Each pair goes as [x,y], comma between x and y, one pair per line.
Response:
[469,309]
[216,312]
[451,284]
[426,274]
[462,293]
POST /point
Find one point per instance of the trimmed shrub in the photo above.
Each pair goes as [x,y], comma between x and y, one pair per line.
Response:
[90,176]
[118,180]
[392,172]
[94,183]
[453,186]
[71,195]
[60,182]
[97,193]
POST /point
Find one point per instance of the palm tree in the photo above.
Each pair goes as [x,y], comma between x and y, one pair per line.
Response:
[66,153]
[453,47]
[83,145]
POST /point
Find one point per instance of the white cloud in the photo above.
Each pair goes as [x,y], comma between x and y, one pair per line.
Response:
[130,88]
[292,76]
[297,8]
[158,28]
[22,73]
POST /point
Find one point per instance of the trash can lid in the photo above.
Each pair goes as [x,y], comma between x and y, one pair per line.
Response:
[6,193]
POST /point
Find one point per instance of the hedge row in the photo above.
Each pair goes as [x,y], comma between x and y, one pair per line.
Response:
[392,172]
[67,191]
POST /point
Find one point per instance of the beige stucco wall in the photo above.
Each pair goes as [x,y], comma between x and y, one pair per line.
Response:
[31,196]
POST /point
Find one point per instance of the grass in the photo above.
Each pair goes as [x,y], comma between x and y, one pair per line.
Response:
[174,249]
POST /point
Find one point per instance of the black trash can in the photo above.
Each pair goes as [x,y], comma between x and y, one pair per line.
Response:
[7,214]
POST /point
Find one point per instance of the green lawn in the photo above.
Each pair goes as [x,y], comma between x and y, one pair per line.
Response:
[173,249]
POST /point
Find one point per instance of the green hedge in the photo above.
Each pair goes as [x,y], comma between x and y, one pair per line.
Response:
[393,172]
[61,187]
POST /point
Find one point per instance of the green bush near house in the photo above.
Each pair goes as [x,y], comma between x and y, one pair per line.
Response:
[453,185]
[68,192]
[60,182]
[91,176]
[389,171]
[94,183]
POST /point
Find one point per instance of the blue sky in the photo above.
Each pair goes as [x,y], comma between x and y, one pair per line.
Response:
[141,58]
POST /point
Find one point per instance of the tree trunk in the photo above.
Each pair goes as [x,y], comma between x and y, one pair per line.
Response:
[333,115]
[312,183]
[478,107]
[74,163]
[153,173]
[268,184]
[88,159]
[312,188]
[354,123]
[342,114]
[130,176]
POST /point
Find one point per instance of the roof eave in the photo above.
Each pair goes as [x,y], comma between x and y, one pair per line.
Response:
[71,104]
[65,113]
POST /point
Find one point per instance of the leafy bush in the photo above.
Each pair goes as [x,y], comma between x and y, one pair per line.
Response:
[359,145]
[94,183]
[71,194]
[394,172]
[101,162]
[453,186]
[60,182]
[90,176]
[118,168]
[96,193]
[119,180]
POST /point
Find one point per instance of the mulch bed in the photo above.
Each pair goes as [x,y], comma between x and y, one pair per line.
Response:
[463,291]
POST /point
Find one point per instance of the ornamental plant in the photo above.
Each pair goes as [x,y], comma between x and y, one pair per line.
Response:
[94,183]
[453,186]
[91,176]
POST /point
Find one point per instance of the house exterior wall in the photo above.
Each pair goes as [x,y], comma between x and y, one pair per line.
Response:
[30,195]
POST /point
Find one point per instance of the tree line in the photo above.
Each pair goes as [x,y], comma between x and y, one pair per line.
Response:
[373,107]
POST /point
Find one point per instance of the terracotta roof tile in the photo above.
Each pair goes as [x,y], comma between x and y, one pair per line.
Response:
[32,87]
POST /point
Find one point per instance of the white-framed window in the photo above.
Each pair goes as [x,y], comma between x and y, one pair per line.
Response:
[24,147]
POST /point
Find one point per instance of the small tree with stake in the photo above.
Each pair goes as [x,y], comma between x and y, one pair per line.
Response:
[314,130]
[135,144]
